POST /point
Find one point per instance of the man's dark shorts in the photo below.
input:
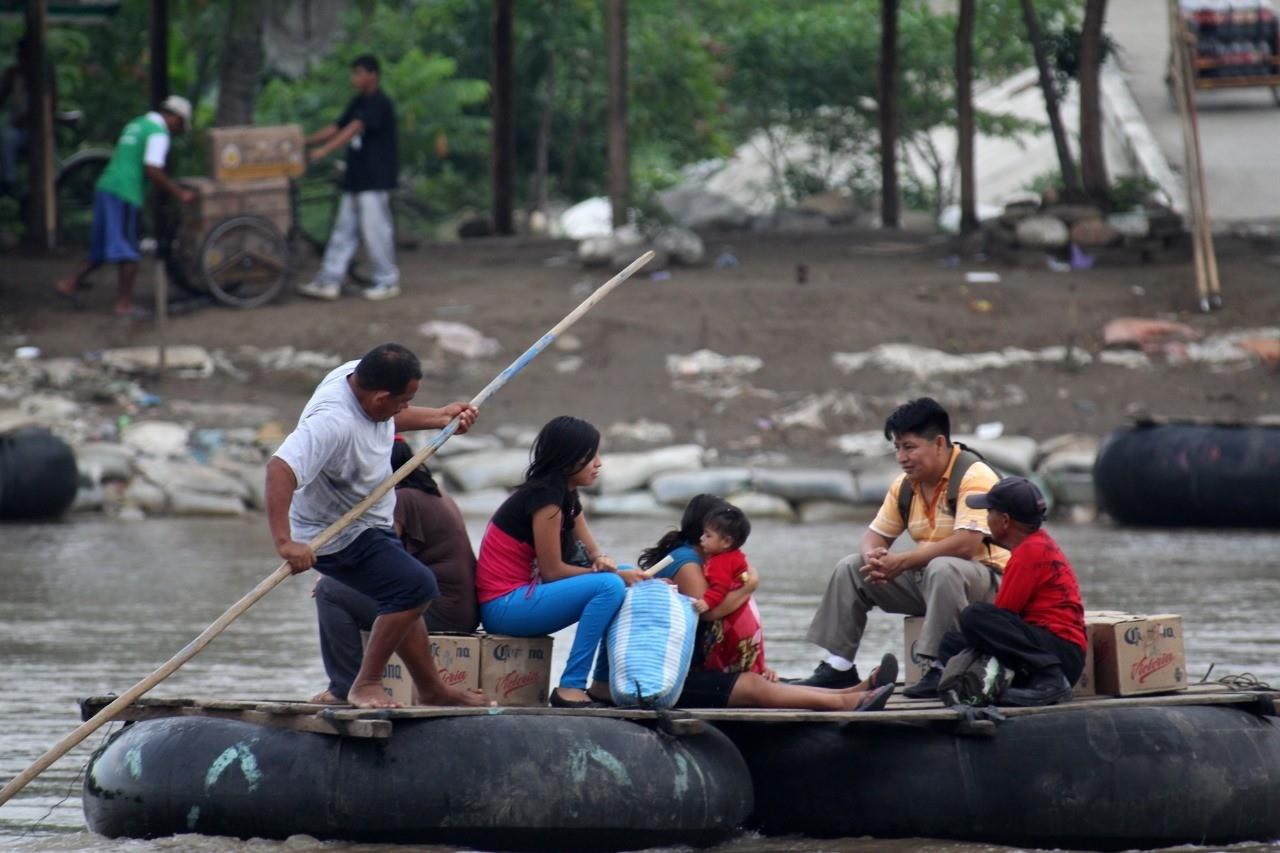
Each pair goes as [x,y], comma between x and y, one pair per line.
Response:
[377,565]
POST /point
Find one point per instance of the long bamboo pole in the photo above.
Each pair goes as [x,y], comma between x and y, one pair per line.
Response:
[280,574]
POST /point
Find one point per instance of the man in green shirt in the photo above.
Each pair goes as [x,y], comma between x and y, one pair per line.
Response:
[119,195]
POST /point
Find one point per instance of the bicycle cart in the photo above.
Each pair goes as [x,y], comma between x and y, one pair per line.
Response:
[233,241]
[1231,46]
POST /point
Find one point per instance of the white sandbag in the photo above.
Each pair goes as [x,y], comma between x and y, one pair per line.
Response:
[626,472]
[146,496]
[640,504]
[100,461]
[489,469]
[676,488]
[1008,454]
[192,477]
[830,512]
[481,504]
[157,438]
[805,484]
[760,505]
[199,503]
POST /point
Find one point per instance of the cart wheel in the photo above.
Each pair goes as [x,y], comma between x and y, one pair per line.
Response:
[244,261]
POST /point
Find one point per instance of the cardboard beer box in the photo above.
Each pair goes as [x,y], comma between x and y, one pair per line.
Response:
[515,670]
[457,657]
[253,153]
[1135,654]
[1086,684]
[396,681]
[913,666]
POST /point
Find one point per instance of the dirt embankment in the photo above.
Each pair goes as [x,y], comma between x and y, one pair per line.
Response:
[862,289]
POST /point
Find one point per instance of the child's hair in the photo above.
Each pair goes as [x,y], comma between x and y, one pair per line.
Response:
[562,447]
[420,478]
[690,528]
[730,522]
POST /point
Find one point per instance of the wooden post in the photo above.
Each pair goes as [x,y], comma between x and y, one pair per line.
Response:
[965,118]
[619,159]
[162,312]
[503,148]
[42,212]
[888,85]
[159,38]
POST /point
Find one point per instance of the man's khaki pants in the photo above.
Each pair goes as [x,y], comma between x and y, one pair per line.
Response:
[938,592]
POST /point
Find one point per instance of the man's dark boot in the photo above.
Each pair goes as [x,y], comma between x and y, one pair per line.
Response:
[927,686]
[1048,686]
[828,676]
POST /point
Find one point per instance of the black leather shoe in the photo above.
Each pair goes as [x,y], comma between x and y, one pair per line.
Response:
[1047,687]
[926,687]
[827,675]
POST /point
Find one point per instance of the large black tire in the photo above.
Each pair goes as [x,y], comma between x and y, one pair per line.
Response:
[38,475]
[492,782]
[1190,475]
[1097,779]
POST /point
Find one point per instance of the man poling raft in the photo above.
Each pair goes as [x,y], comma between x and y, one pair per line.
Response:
[277,577]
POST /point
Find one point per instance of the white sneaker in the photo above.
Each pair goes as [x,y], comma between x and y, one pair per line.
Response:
[329,290]
[379,292]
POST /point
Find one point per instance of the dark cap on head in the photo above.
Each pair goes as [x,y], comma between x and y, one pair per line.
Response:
[1018,497]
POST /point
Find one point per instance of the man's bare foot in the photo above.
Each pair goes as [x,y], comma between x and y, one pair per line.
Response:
[370,696]
[326,697]
[453,696]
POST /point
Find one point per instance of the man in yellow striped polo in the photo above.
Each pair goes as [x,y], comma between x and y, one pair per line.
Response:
[952,565]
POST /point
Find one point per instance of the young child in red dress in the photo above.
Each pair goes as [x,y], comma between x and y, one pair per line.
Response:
[736,642]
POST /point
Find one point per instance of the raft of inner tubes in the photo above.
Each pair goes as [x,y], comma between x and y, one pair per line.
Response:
[494,782]
[1097,778]
[38,476]
[1190,475]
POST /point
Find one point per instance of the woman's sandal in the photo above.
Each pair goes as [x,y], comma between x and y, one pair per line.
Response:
[558,701]
[877,699]
[886,672]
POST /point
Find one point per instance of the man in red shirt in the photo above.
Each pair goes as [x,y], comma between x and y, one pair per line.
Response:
[1036,625]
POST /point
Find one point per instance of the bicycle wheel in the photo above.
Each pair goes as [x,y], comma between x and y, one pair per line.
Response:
[77,176]
[244,261]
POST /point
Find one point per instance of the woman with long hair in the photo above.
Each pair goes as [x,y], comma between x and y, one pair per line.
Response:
[431,527]
[539,568]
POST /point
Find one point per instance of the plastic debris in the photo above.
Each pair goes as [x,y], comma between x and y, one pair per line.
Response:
[460,339]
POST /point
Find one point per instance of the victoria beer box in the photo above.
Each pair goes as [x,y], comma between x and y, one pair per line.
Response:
[515,670]
[1138,654]
[1086,684]
[253,153]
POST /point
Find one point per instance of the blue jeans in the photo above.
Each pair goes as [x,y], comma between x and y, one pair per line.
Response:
[590,600]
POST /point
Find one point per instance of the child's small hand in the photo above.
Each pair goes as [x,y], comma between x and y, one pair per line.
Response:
[744,577]
[700,606]
[770,675]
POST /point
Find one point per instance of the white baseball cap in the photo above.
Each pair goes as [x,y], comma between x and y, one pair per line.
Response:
[179,106]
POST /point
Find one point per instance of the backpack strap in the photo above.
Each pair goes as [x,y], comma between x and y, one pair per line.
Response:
[968,456]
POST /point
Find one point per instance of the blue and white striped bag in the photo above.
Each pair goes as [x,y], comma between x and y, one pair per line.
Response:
[650,646]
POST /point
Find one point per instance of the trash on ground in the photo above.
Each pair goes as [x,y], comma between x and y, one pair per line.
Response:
[978,277]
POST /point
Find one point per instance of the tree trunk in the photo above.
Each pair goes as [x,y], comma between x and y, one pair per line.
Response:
[1093,161]
[619,160]
[888,84]
[240,72]
[159,51]
[538,193]
[964,116]
[42,231]
[1066,163]
[503,155]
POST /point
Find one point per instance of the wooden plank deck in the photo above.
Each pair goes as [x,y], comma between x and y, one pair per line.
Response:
[352,722]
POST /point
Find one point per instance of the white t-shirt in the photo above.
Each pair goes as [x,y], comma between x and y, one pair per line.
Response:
[339,455]
[157,144]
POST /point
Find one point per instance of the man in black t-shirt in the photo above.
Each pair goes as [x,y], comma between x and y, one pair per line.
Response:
[367,127]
